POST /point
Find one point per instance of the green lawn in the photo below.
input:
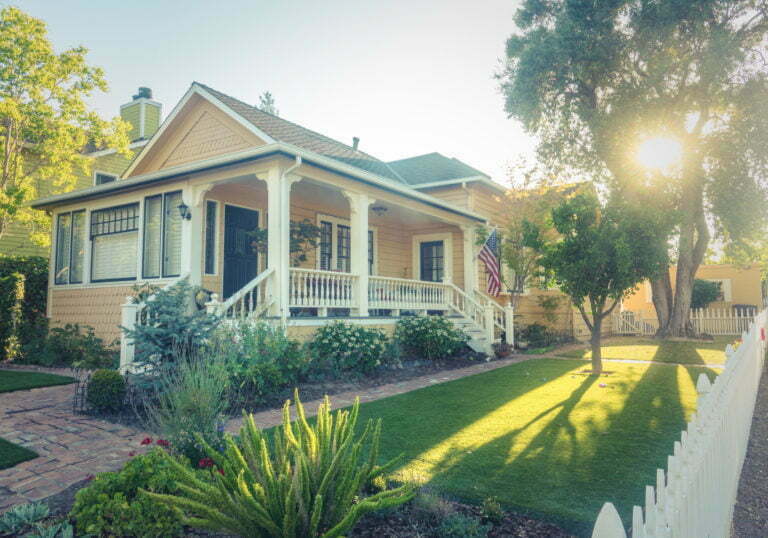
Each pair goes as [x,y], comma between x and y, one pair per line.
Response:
[541,436]
[11,380]
[11,454]
[648,349]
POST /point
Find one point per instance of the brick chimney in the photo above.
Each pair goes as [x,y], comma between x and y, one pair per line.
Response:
[143,114]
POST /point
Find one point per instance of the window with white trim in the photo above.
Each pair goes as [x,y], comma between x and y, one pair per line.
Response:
[211,212]
[335,248]
[99,178]
[114,243]
[162,236]
[70,247]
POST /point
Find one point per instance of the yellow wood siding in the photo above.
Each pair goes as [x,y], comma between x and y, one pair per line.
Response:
[97,307]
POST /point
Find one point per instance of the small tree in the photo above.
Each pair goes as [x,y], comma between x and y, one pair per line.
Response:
[601,254]
[304,237]
[267,104]
[705,292]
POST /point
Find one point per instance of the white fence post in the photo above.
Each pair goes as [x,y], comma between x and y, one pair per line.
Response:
[128,322]
[608,524]
[489,328]
[509,325]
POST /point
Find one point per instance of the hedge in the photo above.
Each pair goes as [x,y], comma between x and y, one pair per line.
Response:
[23,296]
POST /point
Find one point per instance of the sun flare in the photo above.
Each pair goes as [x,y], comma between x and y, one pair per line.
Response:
[660,153]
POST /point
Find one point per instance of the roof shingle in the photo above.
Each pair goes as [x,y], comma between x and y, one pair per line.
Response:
[431,168]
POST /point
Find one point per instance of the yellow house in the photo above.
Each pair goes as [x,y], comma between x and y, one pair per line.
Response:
[144,116]
[395,237]
[739,286]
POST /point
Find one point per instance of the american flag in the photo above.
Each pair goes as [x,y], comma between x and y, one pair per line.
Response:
[488,255]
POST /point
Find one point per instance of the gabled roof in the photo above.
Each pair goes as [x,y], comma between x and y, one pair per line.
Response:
[434,168]
[282,130]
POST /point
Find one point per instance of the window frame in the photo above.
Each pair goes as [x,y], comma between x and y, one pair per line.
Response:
[215,251]
[97,173]
[138,218]
[55,264]
[333,264]
[161,273]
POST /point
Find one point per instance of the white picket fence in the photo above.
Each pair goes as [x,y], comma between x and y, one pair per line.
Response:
[711,321]
[694,498]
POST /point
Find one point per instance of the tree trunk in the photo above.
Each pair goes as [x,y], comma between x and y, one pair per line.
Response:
[597,356]
[661,290]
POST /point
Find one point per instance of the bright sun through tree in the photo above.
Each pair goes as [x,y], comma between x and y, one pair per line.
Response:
[660,153]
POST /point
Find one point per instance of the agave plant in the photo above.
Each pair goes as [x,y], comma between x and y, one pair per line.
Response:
[307,481]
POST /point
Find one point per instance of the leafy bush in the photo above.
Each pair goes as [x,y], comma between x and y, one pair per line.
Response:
[492,510]
[430,508]
[71,345]
[113,505]
[704,293]
[340,347]
[106,390]
[303,481]
[460,526]
[27,276]
[21,517]
[429,337]
[261,360]
[189,401]
[174,327]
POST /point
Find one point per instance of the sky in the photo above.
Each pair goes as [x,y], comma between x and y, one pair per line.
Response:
[408,78]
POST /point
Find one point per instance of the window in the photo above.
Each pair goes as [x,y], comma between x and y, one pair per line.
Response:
[70,247]
[114,243]
[99,178]
[162,236]
[210,238]
[335,249]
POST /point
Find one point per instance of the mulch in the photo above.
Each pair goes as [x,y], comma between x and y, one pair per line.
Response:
[750,516]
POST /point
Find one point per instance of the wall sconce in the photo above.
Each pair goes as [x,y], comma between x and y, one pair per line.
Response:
[184,211]
[379,210]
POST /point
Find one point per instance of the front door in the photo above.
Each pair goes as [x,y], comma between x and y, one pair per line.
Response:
[432,261]
[241,264]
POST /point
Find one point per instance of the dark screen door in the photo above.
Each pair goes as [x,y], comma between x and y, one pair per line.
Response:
[241,263]
[432,261]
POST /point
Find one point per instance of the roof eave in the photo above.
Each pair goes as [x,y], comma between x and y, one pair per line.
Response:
[474,179]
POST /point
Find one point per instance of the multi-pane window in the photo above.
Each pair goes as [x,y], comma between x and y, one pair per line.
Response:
[70,248]
[326,245]
[335,249]
[162,236]
[343,261]
[370,252]
[114,243]
[210,237]
[432,261]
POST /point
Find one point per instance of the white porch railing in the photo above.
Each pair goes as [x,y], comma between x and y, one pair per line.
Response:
[695,496]
[312,288]
[712,321]
[252,300]
[403,294]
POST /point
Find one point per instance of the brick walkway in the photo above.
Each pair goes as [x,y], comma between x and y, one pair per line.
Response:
[73,447]
[70,447]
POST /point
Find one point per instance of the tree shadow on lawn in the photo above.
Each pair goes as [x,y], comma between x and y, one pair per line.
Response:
[666,351]
[559,458]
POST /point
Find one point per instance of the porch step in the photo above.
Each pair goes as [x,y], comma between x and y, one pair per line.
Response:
[477,342]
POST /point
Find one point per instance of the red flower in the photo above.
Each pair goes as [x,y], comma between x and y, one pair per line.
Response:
[205,463]
[163,443]
[146,441]
[131,454]
[221,471]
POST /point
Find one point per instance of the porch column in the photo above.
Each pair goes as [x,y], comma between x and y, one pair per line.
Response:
[192,233]
[358,219]
[470,263]
[279,237]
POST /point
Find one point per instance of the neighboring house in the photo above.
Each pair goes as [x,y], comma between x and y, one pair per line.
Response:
[144,115]
[739,286]
[395,237]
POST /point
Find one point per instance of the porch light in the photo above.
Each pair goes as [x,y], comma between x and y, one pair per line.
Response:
[184,211]
[379,210]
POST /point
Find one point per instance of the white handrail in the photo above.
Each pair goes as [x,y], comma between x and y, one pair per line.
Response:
[405,294]
[314,288]
[246,292]
[499,314]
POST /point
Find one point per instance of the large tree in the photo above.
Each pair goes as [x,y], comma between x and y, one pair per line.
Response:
[594,80]
[598,257]
[44,121]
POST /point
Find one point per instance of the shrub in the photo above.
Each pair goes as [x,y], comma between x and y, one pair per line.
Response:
[27,276]
[21,517]
[340,347]
[704,293]
[430,337]
[537,335]
[460,526]
[492,510]
[261,360]
[189,401]
[174,327]
[430,508]
[113,505]
[71,345]
[303,481]
[106,390]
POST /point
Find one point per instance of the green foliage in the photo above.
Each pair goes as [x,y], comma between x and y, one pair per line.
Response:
[261,360]
[115,504]
[304,237]
[22,517]
[44,120]
[71,345]
[267,104]
[492,510]
[173,328]
[189,401]
[340,347]
[550,304]
[60,529]
[106,391]
[429,337]
[305,481]
[430,508]
[705,292]
[460,526]
[537,335]
[23,297]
